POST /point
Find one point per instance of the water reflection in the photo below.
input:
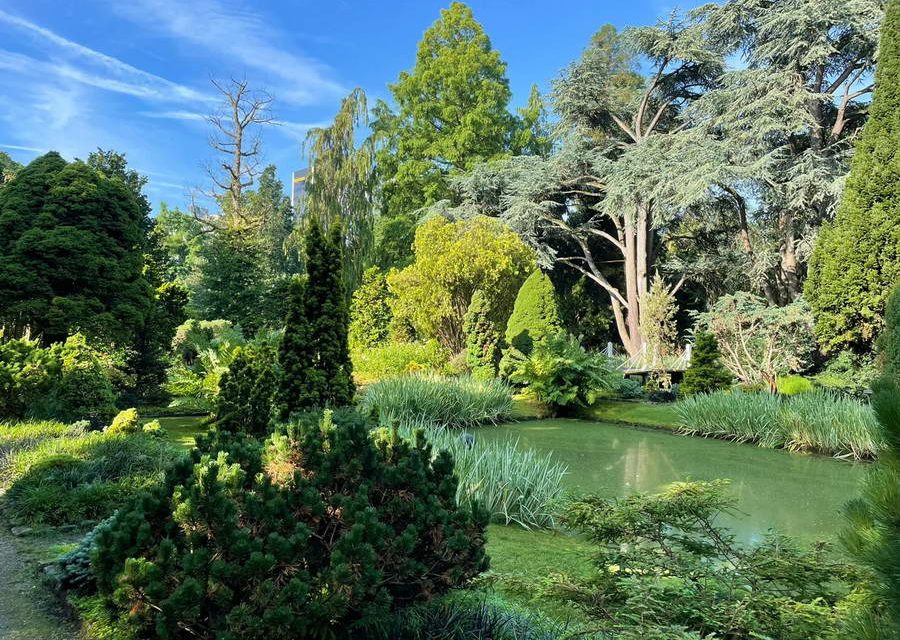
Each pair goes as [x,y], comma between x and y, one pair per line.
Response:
[795,494]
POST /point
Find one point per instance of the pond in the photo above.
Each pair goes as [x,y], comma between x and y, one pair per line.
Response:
[796,494]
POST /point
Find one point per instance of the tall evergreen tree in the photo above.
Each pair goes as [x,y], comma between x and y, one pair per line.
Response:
[706,372]
[314,358]
[71,253]
[535,316]
[873,536]
[484,338]
[856,260]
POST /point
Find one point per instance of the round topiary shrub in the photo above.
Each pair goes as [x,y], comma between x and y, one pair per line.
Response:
[126,421]
[320,531]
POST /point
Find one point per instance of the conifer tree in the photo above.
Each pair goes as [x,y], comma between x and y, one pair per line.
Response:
[244,404]
[873,536]
[483,338]
[314,358]
[856,259]
[535,315]
[370,313]
[706,372]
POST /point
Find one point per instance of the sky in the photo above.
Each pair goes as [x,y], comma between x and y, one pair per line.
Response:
[134,75]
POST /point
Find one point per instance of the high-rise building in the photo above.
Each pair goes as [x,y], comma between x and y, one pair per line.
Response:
[298,188]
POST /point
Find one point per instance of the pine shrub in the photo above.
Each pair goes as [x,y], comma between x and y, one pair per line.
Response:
[244,403]
[321,532]
[706,373]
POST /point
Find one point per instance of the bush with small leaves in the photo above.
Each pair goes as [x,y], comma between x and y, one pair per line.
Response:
[321,531]
[126,421]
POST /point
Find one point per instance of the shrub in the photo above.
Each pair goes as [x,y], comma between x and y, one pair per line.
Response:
[244,403]
[154,428]
[84,391]
[27,374]
[241,541]
[126,421]
[483,338]
[792,385]
[428,399]
[666,569]
[515,485]
[69,479]
[706,373]
[399,358]
[535,315]
[628,389]
[562,374]
[848,373]
[818,421]
[202,352]
[370,312]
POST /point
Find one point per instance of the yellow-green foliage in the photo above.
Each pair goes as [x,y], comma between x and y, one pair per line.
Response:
[398,358]
[452,261]
[126,421]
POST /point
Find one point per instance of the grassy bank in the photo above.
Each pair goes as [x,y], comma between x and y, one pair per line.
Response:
[644,414]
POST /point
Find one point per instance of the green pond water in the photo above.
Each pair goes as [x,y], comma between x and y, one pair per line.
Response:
[799,495]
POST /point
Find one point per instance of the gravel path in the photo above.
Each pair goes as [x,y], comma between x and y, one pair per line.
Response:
[27,611]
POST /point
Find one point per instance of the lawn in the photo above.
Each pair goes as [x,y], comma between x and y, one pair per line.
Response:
[183,430]
[644,414]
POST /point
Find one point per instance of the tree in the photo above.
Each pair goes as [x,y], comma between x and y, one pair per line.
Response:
[71,253]
[856,259]
[759,342]
[484,338]
[783,122]
[706,373]
[603,197]
[153,342]
[370,312]
[658,322]
[535,315]
[244,403]
[314,357]
[452,261]
[873,532]
[340,185]
[8,168]
[533,135]
[451,114]
[235,137]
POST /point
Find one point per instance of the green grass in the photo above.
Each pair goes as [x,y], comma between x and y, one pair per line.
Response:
[520,559]
[183,430]
[644,414]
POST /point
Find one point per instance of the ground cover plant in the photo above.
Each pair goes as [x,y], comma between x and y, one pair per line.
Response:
[80,476]
[324,529]
[818,421]
[444,401]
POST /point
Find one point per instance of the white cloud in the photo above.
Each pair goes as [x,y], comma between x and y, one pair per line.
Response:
[102,71]
[243,41]
[174,115]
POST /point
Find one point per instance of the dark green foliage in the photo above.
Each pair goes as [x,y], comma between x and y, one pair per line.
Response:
[152,344]
[244,403]
[706,372]
[562,374]
[8,168]
[370,313]
[483,338]
[535,315]
[314,357]
[321,532]
[873,536]
[856,259]
[71,253]
[394,238]
[665,568]
[585,314]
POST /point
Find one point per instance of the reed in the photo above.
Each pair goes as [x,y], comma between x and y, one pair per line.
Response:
[454,402]
[819,421]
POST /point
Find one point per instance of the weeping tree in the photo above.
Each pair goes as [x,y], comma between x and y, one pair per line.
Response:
[597,205]
[341,181]
[782,124]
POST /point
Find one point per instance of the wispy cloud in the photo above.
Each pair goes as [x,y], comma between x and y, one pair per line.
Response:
[243,41]
[174,115]
[101,71]
[19,147]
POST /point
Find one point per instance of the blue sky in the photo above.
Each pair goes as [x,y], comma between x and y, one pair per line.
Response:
[133,75]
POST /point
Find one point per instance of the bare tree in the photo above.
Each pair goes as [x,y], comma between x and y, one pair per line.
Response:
[236,137]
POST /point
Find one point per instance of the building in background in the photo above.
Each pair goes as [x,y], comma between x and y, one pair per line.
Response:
[298,189]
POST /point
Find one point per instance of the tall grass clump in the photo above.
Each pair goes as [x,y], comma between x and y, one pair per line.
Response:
[818,421]
[66,480]
[516,485]
[439,401]
[17,436]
